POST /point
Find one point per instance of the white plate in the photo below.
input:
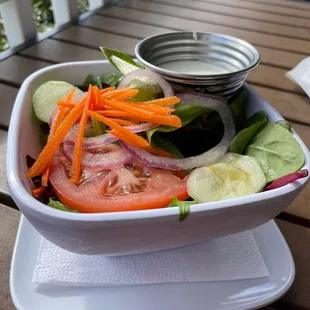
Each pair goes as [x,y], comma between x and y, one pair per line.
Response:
[232,295]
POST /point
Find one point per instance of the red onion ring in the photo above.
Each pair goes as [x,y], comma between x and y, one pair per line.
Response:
[108,157]
[163,84]
[206,158]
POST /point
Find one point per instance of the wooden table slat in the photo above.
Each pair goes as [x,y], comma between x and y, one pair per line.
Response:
[181,23]
[7,99]
[269,56]
[196,12]
[295,4]
[8,228]
[261,7]
[15,69]
[240,12]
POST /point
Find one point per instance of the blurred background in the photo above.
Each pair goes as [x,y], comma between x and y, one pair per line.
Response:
[42,15]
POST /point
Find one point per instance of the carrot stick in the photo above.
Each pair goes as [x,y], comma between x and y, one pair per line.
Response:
[164,101]
[105,90]
[129,137]
[58,119]
[77,154]
[148,116]
[121,94]
[154,108]
[39,191]
[122,121]
[117,113]
[65,104]
[55,140]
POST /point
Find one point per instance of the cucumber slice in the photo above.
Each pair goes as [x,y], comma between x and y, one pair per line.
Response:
[218,182]
[45,98]
[233,176]
[249,165]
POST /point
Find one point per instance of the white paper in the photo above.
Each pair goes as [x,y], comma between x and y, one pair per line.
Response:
[229,258]
[301,75]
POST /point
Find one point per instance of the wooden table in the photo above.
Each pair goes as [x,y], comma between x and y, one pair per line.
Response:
[279,29]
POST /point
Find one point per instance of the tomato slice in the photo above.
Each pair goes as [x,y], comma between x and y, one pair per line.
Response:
[131,187]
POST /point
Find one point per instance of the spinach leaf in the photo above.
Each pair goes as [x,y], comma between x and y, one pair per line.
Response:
[276,150]
[243,137]
[186,112]
[237,107]
[184,207]
[122,62]
[285,124]
[56,204]
[166,144]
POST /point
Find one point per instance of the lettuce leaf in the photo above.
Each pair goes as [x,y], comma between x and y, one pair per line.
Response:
[122,62]
[56,204]
[184,207]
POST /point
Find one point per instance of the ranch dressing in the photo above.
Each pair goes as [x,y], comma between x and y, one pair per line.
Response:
[193,67]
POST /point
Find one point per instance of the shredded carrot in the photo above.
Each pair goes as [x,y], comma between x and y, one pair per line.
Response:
[154,108]
[77,154]
[164,101]
[105,90]
[147,116]
[120,94]
[128,136]
[39,191]
[58,119]
[65,104]
[55,140]
[122,121]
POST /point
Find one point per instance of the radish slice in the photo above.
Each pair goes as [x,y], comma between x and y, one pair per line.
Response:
[100,141]
[206,158]
[286,179]
[108,157]
[163,84]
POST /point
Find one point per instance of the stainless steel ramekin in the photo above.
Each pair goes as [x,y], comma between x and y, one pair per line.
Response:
[216,62]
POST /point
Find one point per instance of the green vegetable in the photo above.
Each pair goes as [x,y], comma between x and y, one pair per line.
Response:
[166,144]
[285,124]
[276,150]
[186,112]
[148,89]
[244,136]
[99,128]
[110,79]
[122,62]
[56,204]
[237,107]
[45,98]
[184,207]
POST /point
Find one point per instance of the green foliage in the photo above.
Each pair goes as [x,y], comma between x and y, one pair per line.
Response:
[42,16]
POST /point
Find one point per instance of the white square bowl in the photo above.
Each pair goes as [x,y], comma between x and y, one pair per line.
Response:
[122,233]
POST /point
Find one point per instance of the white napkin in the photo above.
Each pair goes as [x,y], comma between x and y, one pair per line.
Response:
[301,75]
[229,258]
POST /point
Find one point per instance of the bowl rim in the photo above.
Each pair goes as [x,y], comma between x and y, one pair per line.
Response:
[21,196]
[174,74]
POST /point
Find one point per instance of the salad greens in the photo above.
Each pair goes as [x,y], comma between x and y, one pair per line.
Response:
[277,151]
[186,112]
[259,153]
[56,204]
[285,124]
[245,135]
[184,207]
[122,62]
